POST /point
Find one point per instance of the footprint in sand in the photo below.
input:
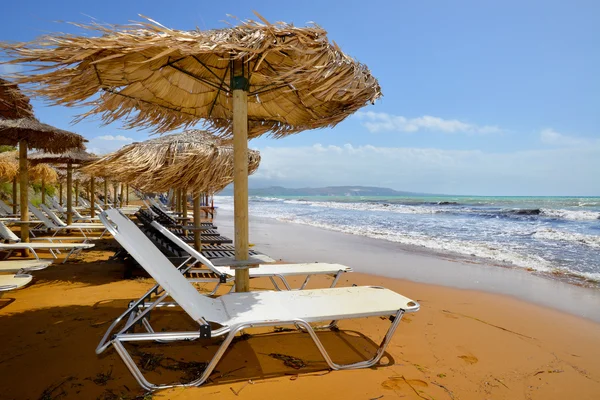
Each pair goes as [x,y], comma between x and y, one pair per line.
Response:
[470,359]
[399,383]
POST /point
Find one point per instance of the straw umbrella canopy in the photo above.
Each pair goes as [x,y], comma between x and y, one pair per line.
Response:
[192,160]
[9,167]
[13,103]
[70,158]
[26,131]
[241,82]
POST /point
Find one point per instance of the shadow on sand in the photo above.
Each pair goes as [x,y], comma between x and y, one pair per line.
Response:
[55,346]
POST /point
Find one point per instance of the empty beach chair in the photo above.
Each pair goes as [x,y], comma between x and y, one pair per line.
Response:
[271,271]
[234,312]
[23,266]
[53,248]
[12,282]
[57,225]
[77,217]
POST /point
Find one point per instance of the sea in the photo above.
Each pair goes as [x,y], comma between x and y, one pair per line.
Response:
[554,236]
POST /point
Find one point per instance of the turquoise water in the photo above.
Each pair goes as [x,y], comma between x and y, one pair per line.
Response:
[554,235]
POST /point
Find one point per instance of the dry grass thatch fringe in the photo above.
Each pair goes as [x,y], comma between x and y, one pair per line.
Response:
[164,79]
[9,160]
[9,167]
[192,160]
[67,157]
[38,135]
[13,103]
[44,172]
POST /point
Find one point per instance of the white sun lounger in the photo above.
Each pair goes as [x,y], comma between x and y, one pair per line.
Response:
[53,248]
[272,271]
[76,214]
[12,282]
[23,266]
[237,311]
[8,236]
[5,208]
[58,225]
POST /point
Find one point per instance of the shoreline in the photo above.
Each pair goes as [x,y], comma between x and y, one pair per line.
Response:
[303,243]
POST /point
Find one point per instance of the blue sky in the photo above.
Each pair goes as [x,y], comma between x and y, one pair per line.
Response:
[489,98]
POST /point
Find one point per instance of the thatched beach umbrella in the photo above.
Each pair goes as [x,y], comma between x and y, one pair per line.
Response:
[241,82]
[40,173]
[192,160]
[9,167]
[30,133]
[70,158]
[13,103]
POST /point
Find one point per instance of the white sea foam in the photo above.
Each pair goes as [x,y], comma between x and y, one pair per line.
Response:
[556,235]
[576,215]
[489,251]
[497,240]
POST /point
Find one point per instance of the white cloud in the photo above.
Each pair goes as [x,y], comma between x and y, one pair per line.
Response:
[382,122]
[107,143]
[551,137]
[119,138]
[564,171]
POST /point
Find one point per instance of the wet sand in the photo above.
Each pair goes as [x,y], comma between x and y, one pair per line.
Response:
[462,344]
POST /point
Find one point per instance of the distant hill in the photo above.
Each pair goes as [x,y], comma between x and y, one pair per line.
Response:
[323,191]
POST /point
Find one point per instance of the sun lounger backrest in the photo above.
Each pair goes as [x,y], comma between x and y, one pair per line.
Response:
[42,217]
[53,216]
[185,247]
[160,268]
[5,207]
[57,206]
[8,234]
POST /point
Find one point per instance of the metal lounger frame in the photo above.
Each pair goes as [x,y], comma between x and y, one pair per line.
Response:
[138,313]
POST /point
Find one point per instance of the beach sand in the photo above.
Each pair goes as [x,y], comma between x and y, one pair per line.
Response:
[462,344]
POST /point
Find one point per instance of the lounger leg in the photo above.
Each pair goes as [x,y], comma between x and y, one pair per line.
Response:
[336,278]
[69,255]
[134,369]
[275,285]
[361,364]
[8,253]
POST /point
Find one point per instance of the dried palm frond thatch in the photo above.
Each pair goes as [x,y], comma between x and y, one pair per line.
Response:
[10,160]
[192,160]
[42,172]
[38,135]
[297,79]
[66,157]
[9,168]
[13,103]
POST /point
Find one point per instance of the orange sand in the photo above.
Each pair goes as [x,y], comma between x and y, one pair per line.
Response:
[461,345]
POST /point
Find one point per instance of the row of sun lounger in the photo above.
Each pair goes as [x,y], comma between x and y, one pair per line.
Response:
[160,235]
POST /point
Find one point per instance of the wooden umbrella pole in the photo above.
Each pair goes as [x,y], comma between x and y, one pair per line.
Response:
[92,196]
[76,192]
[60,193]
[115,198]
[105,192]
[184,204]
[197,223]
[43,190]
[69,194]
[14,195]
[122,194]
[240,174]
[127,196]
[23,195]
